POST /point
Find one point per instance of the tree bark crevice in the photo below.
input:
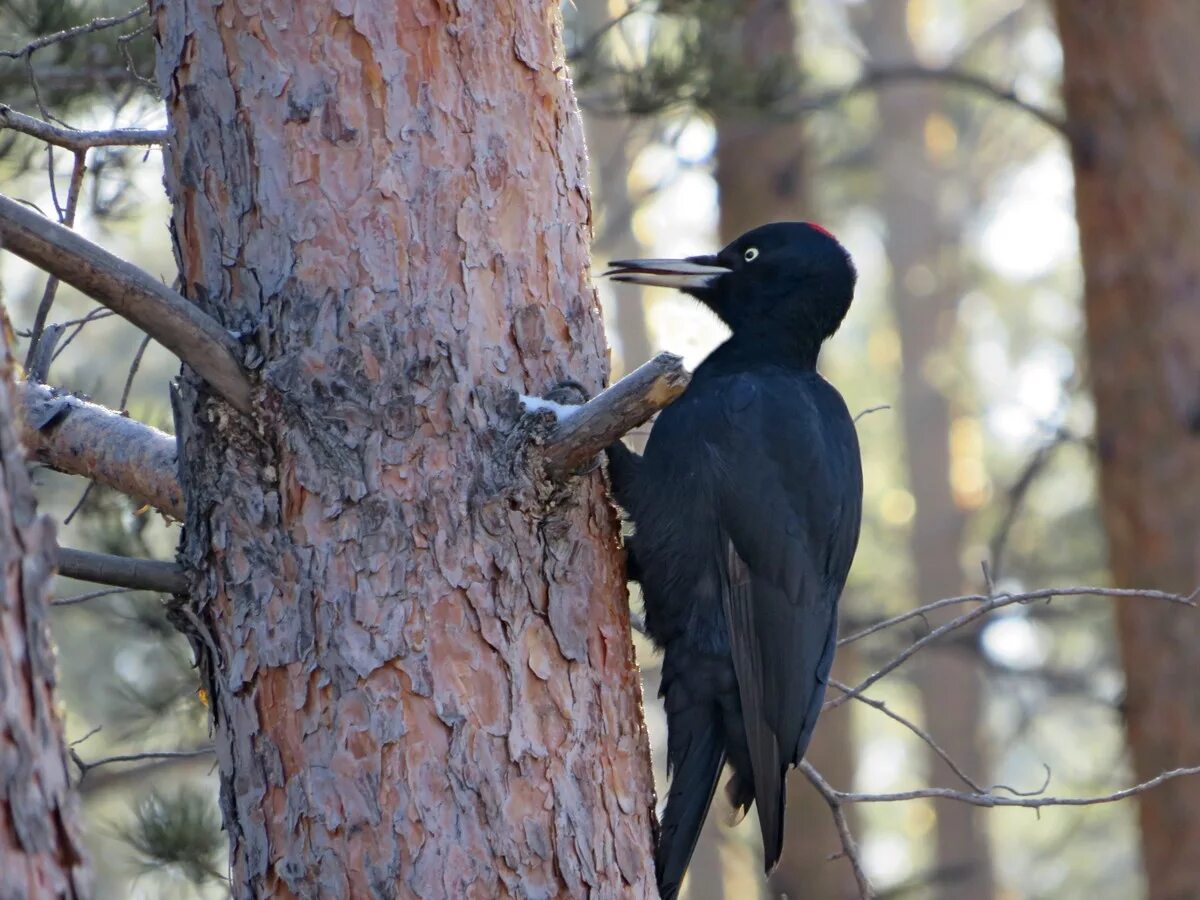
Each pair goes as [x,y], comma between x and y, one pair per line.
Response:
[422,681]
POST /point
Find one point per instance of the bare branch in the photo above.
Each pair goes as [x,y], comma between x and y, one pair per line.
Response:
[589,428]
[986,605]
[849,847]
[76,140]
[85,767]
[954,77]
[1034,800]
[122,571]
[84,598]
[87,28]
[122,776]
[162,313]
[920,732]
[39,367]
[80,438]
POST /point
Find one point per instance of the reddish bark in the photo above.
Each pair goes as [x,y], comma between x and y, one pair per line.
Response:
[41,853]
[419,655]
[1129,81]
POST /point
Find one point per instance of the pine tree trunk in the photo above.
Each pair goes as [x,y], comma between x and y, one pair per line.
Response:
[924,288]
[418,655]
[41,853]
[1129,80]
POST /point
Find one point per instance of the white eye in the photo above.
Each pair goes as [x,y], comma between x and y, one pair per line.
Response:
[751,254]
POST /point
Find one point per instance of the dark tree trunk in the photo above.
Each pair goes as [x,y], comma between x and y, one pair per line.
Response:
[419,657]
[41,853]
[1129,80]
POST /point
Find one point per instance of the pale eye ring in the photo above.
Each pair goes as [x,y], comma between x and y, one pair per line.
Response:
[751,254]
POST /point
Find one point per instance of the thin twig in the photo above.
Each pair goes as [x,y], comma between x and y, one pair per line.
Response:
[94,25]
[90,595]
[133,369]
[916,729]
[990,800]
[43,310]
[849,847]
[872,409]
[1008,599]
[85,767]
[953,77]
[78,325]
[986,605]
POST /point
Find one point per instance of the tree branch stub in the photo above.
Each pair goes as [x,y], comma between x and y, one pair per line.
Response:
[122,571]
[618,409]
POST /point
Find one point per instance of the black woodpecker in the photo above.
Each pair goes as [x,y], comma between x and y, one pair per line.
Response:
[746,507]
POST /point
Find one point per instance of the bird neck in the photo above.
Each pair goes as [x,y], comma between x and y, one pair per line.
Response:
[750,348]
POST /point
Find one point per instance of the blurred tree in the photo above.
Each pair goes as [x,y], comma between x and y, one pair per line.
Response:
[1129,82]
[922,231]
[41,853]
[420,685]
[762,177]
[611,156]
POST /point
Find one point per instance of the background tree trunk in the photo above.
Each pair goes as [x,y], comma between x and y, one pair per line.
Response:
[419,656]
[1129,81]
[41,853]
[762,177]
[925,284]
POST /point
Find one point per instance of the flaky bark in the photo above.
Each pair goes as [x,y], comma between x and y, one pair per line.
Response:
[41,854]
[1129,81]
[419,658]
[921,229]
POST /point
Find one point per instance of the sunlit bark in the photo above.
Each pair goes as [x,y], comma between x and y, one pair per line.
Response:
[418,654]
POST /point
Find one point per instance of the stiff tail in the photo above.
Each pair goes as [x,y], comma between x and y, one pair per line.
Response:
[697,755]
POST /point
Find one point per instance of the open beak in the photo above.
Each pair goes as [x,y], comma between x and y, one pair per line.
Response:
[682,274]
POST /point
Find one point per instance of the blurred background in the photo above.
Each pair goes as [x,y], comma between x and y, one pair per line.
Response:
[705,118]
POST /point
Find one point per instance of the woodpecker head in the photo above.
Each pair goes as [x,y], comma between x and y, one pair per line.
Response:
[787,276]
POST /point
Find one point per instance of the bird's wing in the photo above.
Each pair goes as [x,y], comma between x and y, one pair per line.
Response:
[788,515]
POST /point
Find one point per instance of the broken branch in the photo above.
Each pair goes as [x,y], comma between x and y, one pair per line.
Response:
[165,315]
[80,438]
[618,409]
[122,571]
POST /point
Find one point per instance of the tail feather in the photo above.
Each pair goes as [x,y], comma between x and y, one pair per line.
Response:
[697,755]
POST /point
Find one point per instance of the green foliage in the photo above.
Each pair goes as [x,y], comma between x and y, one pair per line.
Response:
[694,55]
[177,834]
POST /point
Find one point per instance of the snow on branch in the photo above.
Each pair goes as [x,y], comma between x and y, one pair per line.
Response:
[81,438]
[162,313]
[585,430]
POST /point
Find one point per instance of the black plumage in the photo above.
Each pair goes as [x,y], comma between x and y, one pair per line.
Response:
[746,508]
